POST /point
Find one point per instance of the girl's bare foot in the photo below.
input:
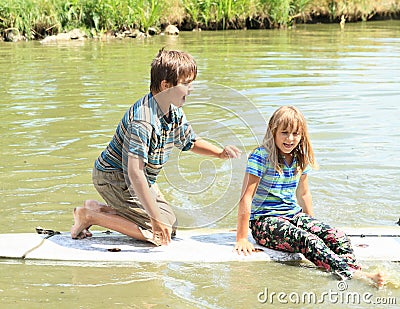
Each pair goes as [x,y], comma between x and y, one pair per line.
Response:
[378,278]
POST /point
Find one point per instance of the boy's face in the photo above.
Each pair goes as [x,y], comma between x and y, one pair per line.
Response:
[177,94]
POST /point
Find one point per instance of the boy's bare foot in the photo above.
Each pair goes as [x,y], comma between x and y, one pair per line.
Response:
[99,207]
[80,230]
[86,233]
[91,205]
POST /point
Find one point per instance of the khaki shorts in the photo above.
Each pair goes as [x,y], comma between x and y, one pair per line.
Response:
[113,189]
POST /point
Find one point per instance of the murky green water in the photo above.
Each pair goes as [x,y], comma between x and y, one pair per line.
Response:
[59,105]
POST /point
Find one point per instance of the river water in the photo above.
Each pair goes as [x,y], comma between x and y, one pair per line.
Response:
[59,108]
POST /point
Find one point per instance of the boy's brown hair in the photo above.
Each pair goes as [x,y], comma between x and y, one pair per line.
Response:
[171,66]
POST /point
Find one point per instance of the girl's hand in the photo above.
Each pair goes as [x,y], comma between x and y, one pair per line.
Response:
[243,245]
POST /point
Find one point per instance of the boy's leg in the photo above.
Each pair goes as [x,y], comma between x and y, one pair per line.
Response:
[113,189]
[135,212]
[334,238]
[98,206]
[94,206]
[280,234]
[86,217]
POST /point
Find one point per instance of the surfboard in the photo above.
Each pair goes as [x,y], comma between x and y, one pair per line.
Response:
[200,245]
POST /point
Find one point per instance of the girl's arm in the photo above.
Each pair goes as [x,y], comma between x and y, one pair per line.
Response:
[250,184]
[303,195]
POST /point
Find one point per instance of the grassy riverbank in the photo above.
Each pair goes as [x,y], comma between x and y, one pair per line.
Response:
[36,19]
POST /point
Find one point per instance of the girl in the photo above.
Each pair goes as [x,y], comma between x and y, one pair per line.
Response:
[277,201]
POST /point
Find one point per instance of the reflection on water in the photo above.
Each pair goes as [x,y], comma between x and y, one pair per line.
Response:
[60,104]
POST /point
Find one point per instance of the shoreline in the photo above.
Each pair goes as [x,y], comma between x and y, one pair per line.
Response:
[41,20]
[79,35]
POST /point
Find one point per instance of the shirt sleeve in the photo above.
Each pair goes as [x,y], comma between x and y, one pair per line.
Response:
[256,163]
[138,143]
[307,170]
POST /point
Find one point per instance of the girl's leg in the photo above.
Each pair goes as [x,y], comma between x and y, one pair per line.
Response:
[335,239]
[280,234]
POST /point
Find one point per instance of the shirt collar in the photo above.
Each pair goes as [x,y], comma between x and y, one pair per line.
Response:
[153,102]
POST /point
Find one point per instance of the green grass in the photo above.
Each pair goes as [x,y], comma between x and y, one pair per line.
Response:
[36,19]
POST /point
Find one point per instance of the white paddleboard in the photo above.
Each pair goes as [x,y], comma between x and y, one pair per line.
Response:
[201,245]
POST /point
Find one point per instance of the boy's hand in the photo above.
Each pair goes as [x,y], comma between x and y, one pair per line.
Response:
[243,245]
[161,232]
[230,151]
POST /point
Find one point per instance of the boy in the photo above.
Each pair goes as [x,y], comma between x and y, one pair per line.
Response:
[125,173]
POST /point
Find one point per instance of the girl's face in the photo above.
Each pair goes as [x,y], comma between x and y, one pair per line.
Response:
[286,140]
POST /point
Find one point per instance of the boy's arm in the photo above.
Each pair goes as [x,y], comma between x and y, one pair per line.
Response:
[202,147]
[250,184]
[304,197]
[139,184]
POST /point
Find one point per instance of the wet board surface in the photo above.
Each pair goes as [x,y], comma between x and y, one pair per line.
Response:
[202,245]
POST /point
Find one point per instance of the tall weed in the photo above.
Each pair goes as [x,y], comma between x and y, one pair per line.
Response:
[38,18]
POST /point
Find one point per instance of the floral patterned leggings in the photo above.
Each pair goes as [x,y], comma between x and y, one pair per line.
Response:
[320,243]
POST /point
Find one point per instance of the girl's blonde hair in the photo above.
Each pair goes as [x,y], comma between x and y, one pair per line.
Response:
[291,119]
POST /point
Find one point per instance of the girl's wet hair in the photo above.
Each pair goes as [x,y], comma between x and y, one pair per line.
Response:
[291,119]
[171,66]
